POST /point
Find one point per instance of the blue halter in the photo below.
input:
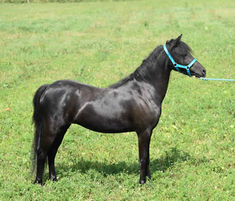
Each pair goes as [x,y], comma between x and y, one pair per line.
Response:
[177,66]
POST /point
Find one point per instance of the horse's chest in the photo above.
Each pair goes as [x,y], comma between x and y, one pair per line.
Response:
[147,114]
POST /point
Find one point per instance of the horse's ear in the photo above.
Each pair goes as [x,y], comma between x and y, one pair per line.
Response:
[174,42]
[177,40]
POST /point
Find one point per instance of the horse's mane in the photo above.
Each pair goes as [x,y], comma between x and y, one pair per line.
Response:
[141,70]
[122,81]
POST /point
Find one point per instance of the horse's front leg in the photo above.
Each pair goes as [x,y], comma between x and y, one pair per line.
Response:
[144,141]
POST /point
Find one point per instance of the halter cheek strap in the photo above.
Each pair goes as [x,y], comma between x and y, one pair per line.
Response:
[177,66]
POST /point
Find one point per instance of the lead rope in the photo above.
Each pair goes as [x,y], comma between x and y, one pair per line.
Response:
[217,79]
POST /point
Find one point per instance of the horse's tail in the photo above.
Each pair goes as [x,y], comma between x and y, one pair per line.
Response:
[37,120]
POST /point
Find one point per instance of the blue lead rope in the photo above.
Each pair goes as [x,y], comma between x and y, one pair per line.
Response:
[217,79]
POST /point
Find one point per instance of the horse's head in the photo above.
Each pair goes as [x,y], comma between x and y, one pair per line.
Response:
[181,58]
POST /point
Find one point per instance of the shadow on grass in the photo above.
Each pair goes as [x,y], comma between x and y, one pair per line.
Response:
[166,161]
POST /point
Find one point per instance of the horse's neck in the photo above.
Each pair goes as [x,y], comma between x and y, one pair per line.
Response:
[158,75]
[161,85]
[152,71]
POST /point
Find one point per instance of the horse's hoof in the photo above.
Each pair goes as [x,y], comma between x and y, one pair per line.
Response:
[142,181]
[37,181]
[53,178]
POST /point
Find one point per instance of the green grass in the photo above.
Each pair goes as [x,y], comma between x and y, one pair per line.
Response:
[98,43]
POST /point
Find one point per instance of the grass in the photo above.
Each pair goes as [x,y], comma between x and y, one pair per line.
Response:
[98,43]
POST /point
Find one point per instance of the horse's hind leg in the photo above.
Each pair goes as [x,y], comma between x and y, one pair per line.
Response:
[42,149]
[50,135]
[40,166]
[52,153]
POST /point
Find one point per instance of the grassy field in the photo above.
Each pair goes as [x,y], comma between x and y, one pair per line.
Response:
[98,43]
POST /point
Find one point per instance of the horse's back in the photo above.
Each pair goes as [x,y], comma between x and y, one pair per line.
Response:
[63,98]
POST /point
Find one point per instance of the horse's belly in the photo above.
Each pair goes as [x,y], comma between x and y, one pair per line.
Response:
[107,119]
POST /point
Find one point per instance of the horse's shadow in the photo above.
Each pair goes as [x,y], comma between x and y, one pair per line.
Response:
[166,161]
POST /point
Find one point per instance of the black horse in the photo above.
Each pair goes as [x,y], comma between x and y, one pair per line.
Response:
[132,104]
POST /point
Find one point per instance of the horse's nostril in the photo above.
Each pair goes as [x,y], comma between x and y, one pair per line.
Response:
[204,72]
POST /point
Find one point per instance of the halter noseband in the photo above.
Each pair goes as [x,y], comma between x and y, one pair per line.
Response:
[177,66]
